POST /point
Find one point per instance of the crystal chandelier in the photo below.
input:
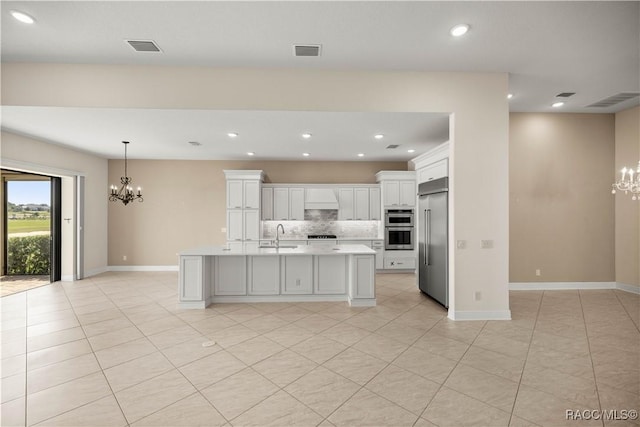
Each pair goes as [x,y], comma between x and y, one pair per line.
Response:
[125,194]
[628,183]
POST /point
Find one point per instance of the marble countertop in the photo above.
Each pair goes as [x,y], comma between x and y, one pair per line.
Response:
[298,250]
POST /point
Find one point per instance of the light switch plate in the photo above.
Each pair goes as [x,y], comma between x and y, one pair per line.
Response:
[461,244]
[223,230]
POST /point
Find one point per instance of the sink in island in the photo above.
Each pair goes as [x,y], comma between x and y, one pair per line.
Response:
[218,274]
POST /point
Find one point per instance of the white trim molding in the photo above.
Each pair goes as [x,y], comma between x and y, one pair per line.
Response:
[556,286]
[438,153]
[633,289]
[95,271]
[479,315]
[142,268]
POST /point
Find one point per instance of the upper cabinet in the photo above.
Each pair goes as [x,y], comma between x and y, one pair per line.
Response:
[243,194]
[267,204]
[375,207]
[361,207]
[280,204]
[435,170]
[296,204]
[398,188]
[345,203]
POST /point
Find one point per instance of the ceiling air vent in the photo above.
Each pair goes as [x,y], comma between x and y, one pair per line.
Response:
[306,49]
[144,45]
[392,146]
[565,94]
[195,143]
[615,99]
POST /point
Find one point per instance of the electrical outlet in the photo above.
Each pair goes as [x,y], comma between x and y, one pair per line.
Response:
[477,295]
[486,244]
[124,257]
[223,230]
[538,273]
[461,244]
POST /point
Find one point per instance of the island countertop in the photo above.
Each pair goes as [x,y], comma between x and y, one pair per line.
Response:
[298,250]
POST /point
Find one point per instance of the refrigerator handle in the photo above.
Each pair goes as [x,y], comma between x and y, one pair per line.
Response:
[427,237]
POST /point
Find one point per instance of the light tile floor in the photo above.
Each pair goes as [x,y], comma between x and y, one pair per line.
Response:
[113,350]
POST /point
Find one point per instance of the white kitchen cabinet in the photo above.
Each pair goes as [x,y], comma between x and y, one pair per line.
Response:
[378,246]
[436,170]
[345,204]
[297,275]
[192,273]
[408,193]
[399,194]
[361,204]
[280,204]
[363,276]
[296,204]
[374,204]
[251,225]
[264,276]
[235,227]
[243,194]
[235,194]
[330,272]
[243,225]
[251,194]
[230,275]
[391,191]
[267,204]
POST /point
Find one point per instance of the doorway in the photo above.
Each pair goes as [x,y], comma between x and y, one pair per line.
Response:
[31,243]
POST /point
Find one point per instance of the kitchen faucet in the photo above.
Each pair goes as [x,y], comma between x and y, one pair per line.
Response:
[278,235]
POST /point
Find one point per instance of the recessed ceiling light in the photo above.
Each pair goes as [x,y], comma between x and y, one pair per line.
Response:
[306,135]
[251,153]
[509,96]
[459,30]
[232,134]
[411,151]
[305,154]
[557,104]
[378,136]
[22,17]
[360,154]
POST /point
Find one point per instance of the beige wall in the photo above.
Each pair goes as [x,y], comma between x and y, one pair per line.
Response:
[561,207]
[479,137]
[42,157]
[627,211]
[185,202]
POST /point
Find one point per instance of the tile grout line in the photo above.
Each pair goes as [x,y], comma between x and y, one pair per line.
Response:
[593,369]
[524,365]
[626,311]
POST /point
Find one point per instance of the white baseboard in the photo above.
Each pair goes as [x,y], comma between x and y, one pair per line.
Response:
[142,268]
[68,278]
[363,302]
[556,286]
[633,289]
[479,315]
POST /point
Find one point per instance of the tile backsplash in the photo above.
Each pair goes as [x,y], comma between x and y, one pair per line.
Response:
[322,222]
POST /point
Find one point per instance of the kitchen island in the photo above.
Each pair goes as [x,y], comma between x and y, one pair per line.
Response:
[219,274]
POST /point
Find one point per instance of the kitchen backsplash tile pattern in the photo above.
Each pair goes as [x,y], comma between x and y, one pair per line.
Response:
[322,222]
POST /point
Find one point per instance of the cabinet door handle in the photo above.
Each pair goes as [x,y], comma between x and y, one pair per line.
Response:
[238,240]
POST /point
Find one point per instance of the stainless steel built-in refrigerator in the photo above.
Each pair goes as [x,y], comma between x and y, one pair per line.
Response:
[433,226]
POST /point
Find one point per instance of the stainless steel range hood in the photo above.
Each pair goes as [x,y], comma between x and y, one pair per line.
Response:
[320,198]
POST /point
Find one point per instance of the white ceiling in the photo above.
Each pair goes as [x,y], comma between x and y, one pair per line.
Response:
[591,48]
[271,135]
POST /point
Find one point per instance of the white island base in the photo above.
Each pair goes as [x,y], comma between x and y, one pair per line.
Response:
[305,273]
